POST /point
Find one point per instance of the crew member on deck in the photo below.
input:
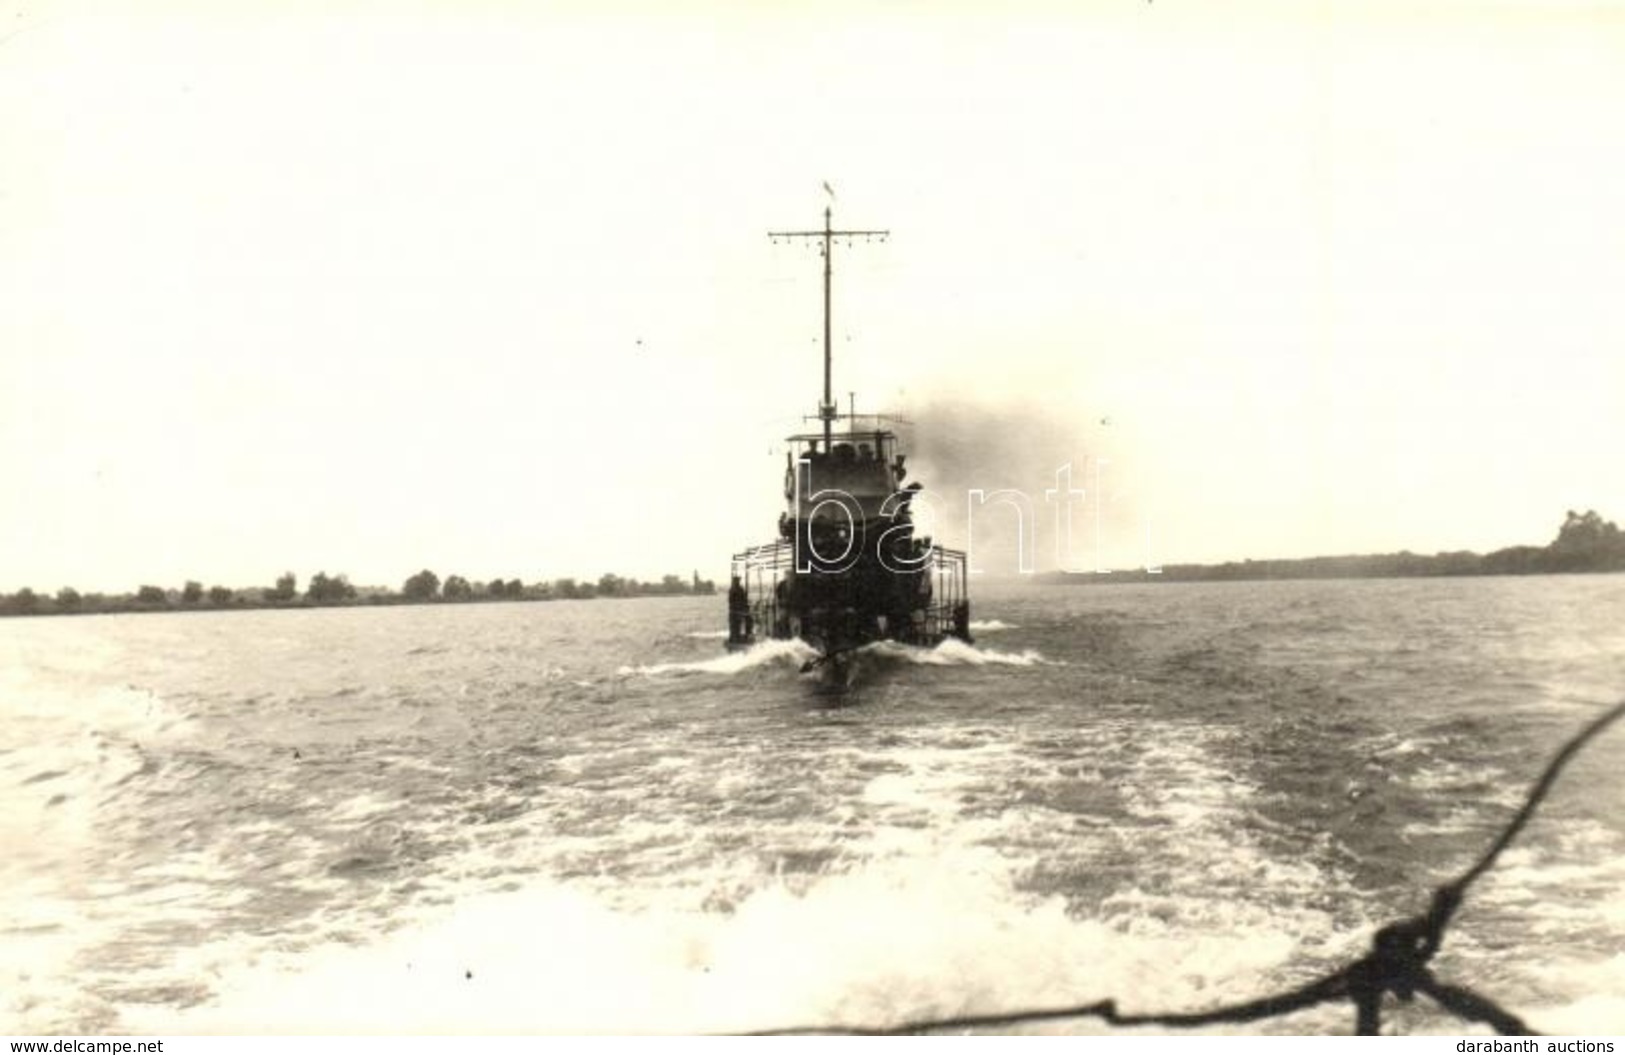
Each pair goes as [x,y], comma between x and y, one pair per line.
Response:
[738,613]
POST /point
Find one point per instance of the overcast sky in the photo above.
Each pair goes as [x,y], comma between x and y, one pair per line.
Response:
[486,287]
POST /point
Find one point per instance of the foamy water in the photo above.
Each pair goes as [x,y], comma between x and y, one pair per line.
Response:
[590,817]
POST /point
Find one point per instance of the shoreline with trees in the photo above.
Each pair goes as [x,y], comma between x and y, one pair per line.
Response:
[336,591]
[1586,543]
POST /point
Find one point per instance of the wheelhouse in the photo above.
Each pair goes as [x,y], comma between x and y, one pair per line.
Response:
[861,464]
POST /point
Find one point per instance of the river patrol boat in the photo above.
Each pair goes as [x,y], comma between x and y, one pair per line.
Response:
[846,569]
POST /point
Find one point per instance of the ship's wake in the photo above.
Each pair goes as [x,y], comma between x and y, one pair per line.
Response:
[880,944]
[766,653]
[796,653]
[953,652]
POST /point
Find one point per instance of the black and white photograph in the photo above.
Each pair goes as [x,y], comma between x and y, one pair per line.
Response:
[632,518]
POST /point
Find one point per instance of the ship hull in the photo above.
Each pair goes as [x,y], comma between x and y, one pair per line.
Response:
[837,610]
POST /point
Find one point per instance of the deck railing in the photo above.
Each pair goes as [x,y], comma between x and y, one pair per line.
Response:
[761,569]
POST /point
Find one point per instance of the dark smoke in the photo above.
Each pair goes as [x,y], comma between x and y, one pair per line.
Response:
[955,447]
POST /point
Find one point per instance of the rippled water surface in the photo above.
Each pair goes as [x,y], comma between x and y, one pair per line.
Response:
[587,816]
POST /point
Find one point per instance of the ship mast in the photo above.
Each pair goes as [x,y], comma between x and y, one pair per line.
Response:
[827,408]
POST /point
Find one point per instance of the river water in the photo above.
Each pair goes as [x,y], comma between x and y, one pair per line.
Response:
[586,816]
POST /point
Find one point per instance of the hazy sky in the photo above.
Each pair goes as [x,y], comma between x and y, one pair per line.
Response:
[485,287]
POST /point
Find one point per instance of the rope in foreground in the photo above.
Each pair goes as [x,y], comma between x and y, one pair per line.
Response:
[1397,963]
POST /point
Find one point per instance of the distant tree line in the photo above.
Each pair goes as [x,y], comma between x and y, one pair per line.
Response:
[1585,543]
[325,591]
